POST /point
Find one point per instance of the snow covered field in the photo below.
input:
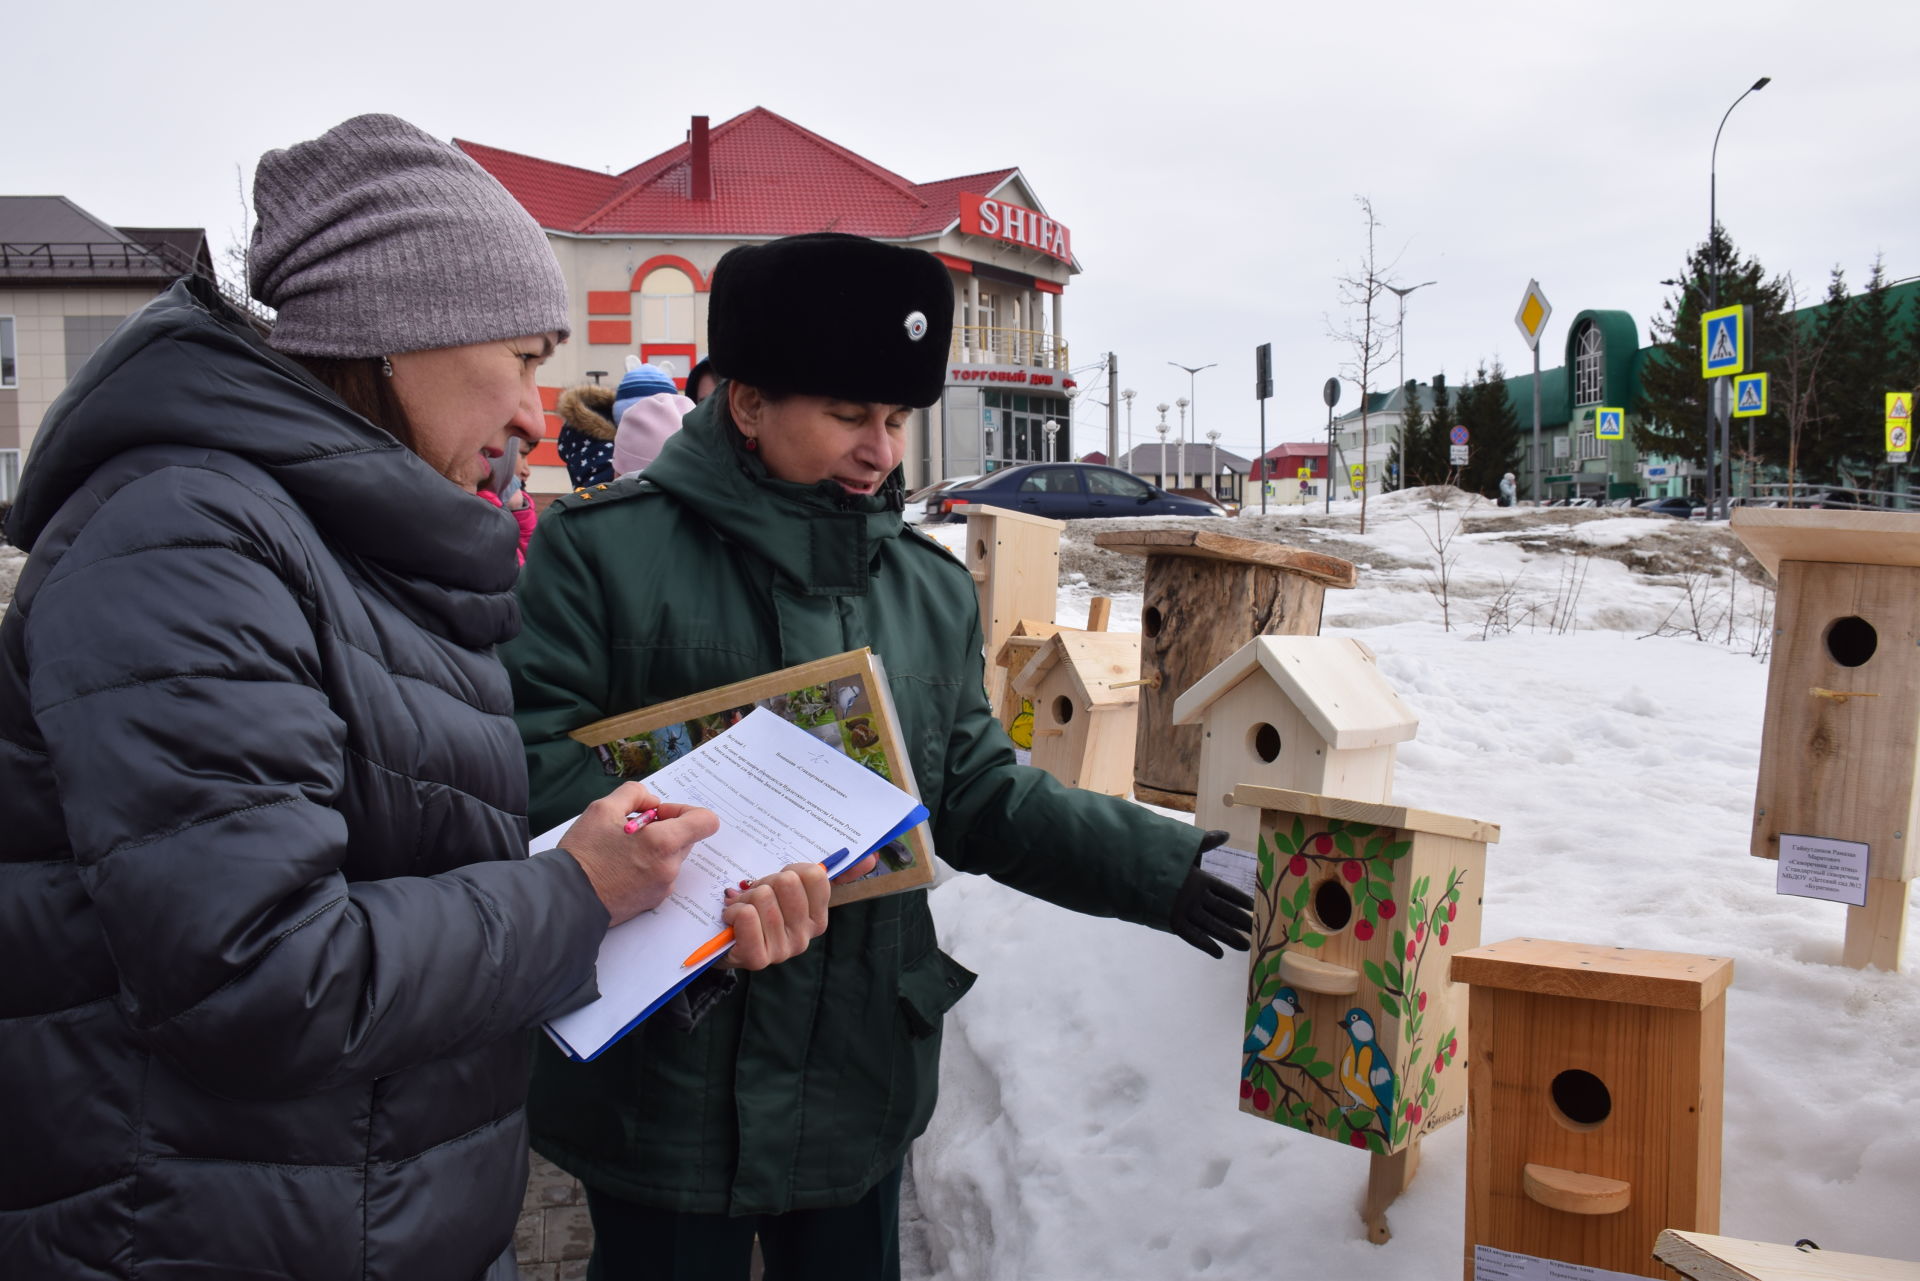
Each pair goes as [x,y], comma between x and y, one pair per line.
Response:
[1088,1124]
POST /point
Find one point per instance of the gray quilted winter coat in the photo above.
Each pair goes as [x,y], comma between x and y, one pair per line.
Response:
[269,943]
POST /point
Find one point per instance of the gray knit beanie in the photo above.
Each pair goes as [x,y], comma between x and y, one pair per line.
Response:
[377,238]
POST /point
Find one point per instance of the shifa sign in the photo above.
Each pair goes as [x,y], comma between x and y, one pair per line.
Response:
[985,216]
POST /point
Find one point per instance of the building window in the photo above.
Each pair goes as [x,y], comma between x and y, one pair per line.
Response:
[9,474]
[666,306]
[84,336]
[1587,363]
[9,364]
[1591,447]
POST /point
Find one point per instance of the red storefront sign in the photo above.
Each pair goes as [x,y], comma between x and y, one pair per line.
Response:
[1006,374]
[985,216]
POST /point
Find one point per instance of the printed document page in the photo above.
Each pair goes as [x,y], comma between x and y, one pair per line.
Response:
[782,796]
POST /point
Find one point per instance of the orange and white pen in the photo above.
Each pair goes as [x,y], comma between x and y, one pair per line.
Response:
[724,939]
[639,819]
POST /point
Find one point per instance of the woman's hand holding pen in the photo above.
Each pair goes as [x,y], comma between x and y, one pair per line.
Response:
[633,870]
[773,919]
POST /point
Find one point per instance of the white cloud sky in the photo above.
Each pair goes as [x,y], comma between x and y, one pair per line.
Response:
[1206,155]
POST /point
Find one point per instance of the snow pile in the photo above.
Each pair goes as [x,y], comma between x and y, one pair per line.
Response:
[1088,1126]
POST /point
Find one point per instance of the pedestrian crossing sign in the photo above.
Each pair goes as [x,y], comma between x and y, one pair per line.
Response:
[1899,422]
[1723,341]
[1749,395]
[1609,424]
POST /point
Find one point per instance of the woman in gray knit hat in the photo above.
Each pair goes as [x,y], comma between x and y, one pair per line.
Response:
[270,940]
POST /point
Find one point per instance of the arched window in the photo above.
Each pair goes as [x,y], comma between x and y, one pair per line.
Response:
[666,306]
[1587,362]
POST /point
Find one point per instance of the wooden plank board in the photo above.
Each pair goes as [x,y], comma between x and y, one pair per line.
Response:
[1278,798]
[1714,1258]
[1877,933]
[1594,972]
[1776,534]
[1328,570]
[1007,513]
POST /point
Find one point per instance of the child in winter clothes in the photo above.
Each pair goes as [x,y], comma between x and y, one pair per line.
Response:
[586,437]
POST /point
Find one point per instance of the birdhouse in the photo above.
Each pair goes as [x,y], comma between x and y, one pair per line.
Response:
[1354,1029]
[1701,1256]
[1840,751]
[1304,713]
[1595,1097]
[1207,595]
[1015,562]
[1082,724]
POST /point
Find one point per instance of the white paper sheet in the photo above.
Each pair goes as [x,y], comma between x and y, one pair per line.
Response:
[1490,1264]
[782,796]
[1824,868]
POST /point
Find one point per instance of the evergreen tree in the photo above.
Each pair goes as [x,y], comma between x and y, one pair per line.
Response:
[1672,408]
[1494,446]
[1426,444]
[1866,369]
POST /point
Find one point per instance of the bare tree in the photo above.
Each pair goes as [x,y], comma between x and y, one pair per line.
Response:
[1801,354]
[1366,340]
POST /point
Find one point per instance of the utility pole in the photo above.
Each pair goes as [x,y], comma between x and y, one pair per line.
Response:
[1113,410]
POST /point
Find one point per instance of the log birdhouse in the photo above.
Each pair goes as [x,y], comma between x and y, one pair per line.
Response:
[1354,1031]
[1840,751]
[1206,596]
[1595,1095]
[1082,724]
[1303,713]
[1015,562]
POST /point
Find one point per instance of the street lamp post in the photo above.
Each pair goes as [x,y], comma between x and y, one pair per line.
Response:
[1193,398]
[1052,429]
[1163,429]
[1180,467]
[1715,421]
[1213,462]
[1400,325]
[1128,396]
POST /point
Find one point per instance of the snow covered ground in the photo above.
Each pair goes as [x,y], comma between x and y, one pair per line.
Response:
[1088,1125]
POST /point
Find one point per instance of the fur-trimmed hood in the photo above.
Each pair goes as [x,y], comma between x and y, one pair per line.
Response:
[588,409]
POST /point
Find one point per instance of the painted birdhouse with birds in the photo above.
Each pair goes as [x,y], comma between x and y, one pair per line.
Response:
[1354,1031]
[1596,1101]
[1085,692]
[1304,713]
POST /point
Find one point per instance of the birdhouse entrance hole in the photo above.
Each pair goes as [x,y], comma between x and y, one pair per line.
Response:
[1264,739]
[979,549]
[1150,620]
[1581,1100]
[1851,641]
[1332,906]
[1062,709]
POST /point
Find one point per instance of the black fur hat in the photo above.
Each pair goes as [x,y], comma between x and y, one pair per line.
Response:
[832,315]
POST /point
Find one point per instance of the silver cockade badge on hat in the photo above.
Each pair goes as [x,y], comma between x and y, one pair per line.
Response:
[916,326]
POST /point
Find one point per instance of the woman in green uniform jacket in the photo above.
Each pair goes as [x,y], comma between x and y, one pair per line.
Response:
[768,533]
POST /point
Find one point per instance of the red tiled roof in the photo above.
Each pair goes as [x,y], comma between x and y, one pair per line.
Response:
[770,178]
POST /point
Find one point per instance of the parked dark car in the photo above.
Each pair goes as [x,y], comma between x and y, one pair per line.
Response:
[1677,507]
[1066,491]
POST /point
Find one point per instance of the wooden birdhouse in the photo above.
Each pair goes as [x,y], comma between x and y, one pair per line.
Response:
[1206,596]
[1304,713]
[1015,562]
[1082,724]
[1354,1031]
[1840,751]
[1595,1099]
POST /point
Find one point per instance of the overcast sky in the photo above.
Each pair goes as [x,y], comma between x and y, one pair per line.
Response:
[1206,155]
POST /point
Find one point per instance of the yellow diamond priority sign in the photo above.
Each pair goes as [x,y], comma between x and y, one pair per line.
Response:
[1533,315]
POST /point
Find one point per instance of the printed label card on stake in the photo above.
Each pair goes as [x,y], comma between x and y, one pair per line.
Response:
[1823,868]
[782,796]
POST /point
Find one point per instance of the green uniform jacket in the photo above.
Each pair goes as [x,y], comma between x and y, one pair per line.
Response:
[803,1087]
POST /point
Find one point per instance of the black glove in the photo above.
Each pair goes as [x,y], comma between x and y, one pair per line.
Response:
[1208,912]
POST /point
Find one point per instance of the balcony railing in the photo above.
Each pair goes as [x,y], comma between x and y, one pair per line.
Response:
[112,259]
[986,345]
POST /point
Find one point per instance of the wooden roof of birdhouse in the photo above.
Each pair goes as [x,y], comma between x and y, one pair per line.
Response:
[1028,636]
[1594,972]
[1832,537]
[1396,816]
[1332,680]
[1093,661]
[1007,513]
[1206,545]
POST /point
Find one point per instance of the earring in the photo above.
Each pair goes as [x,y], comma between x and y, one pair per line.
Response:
[386,366]
[753,444]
